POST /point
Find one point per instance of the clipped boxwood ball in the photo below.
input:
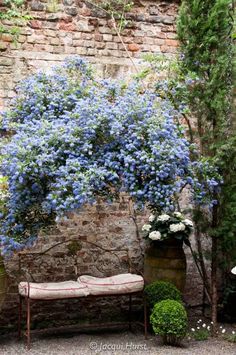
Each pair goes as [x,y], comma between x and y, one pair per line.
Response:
[161,290]
[169,319]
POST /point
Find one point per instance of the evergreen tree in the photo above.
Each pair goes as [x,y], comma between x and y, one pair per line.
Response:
[205,32]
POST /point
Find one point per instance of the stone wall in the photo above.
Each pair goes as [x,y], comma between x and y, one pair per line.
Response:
[72,28]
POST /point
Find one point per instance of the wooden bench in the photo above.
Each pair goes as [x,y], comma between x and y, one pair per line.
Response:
[85,286]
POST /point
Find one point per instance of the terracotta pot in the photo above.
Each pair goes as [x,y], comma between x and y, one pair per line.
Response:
[3,282]
[166,260]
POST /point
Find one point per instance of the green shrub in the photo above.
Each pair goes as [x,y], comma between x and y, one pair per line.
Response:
[201,334]
[161,290]
[231,338]
[169,319]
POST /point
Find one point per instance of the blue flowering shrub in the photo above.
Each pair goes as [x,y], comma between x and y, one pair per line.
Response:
[75,137]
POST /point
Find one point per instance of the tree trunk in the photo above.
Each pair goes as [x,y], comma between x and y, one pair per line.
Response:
[214,264]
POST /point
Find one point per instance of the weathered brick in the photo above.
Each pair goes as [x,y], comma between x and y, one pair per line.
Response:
[68,2]
[27,46]
[100,45]
[153,10]
[71,11]
[168,49]
[133,47]
[94,22]
[85,12]
[127,39]
[161,35]
[36,39]
[91,51]
[5,37]
[81,50]
[4,61]
[35,24]
[87,36]
[21,39]
[172,42]
[83,26]
[69,50]
[107,37]
[66,26]
[98,37]
[37,6]
[111,45]
[50,33]
[54,41]
[171,35]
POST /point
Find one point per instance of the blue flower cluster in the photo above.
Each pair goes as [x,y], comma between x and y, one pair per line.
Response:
[77,138]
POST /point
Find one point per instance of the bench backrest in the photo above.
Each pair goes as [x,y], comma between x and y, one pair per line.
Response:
[71,258]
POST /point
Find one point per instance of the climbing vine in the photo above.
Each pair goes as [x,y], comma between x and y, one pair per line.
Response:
[16,12]
[77,138]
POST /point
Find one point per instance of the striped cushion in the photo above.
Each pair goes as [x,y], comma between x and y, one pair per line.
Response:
[123,283]
[53,290]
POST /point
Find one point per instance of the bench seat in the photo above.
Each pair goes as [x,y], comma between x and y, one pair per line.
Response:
[114,285]
[52,290]
[85,285]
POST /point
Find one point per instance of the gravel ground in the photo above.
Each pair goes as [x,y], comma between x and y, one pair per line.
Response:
[107,342]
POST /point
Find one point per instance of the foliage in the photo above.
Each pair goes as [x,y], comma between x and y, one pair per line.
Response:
[201,332]
[210,65]
[205,34]
[165,226]
[161,290]
[207,50]
[14,11]
[169,319]
[231,337]
[77,138]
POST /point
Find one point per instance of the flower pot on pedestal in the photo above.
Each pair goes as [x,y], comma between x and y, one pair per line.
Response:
[166,260]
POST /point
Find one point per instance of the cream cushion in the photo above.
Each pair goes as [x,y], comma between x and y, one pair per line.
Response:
[53,290]
[123,283]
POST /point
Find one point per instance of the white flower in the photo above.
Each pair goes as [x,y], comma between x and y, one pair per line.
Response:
[221,327]
[177,227]
[233,332]
[177,214]
[193,330]
[234,270]
[204,325]
[163,218]
[146,227]
[188,222]
[208,327]
[198,327]
[155,235]
[212,322]
[151,218]
[223,331]
[199,321]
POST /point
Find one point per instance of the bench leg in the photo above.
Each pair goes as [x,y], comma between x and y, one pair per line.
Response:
[19,316]
[28,323]
[145,316]
[130,310]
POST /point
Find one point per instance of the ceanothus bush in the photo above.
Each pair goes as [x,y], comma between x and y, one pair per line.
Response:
[76,137]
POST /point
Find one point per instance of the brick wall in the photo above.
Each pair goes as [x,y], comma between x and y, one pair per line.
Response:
[72,28]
